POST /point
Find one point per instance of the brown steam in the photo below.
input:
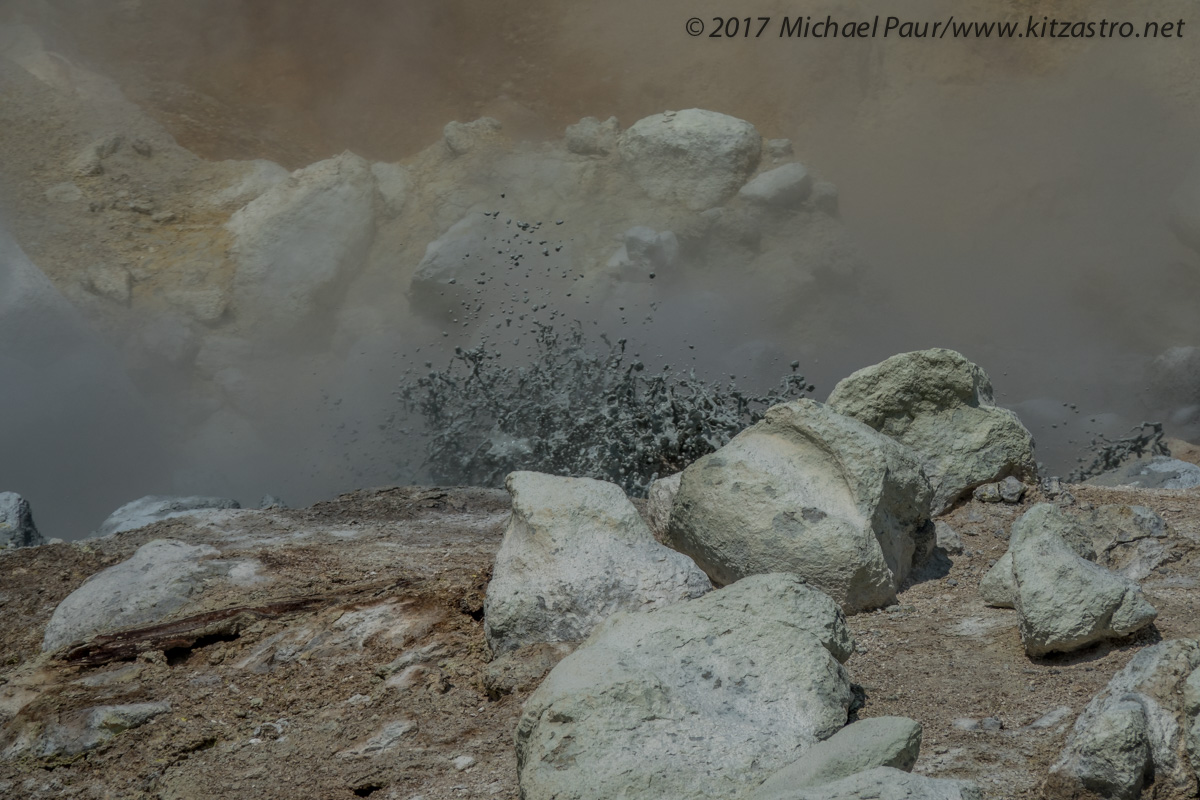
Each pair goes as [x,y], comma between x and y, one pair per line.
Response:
[1010,195]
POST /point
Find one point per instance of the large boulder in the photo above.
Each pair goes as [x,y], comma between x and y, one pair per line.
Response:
[158,580]
[575,552]
[877,742]
[155,508]
[16,522]
[1139,729]
[1065,601]
[811,492]
[299,243]
[696,158]
[881,783]
[941,405]
[698,699]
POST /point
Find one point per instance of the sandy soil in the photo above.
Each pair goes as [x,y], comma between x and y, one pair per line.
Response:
[277,706]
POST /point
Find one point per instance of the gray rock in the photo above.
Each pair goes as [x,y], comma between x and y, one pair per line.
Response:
[1011,490]
[811,492]
[1135,730]
[1158,472]
[298,244]
[948,538]
[698,699]
[660,502]
[987,493]
[88,729]
[783,187]
[876,742]
[463,137]
[155,508]
[271,501]
[591,137]
[881,783]
[997,587]
[941,405]
[695,158]
[1131,540]
[392,183]
[575,552]
[1065,601]
[16,522]
[154,583]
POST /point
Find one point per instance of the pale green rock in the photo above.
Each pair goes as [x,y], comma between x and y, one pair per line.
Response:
[811,492]
[876,742]
[941,405]
[699,699]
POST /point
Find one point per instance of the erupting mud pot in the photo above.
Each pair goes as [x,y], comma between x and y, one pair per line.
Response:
[438,400]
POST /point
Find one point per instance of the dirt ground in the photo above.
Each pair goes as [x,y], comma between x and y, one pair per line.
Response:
[372,616]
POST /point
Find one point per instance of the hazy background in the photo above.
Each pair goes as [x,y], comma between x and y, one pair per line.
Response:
[1011,195]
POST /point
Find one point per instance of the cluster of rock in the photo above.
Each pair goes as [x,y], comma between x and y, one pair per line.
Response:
[671,688]
[802,518]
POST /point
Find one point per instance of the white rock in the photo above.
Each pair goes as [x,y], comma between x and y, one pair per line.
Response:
[941,405]
[1157,472]
[155,508]
[154,583]
[1065,601]
[883,783]
[948,538]
[811,492]
[698,699]
[783,187]
[298,244]
[867,744]
[696,158]
[575,552]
